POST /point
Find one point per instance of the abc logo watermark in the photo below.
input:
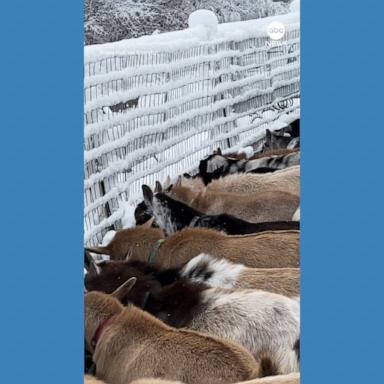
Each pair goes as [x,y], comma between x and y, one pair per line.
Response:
[276,30]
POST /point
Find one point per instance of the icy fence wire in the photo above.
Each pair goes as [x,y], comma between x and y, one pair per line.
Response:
[150,114]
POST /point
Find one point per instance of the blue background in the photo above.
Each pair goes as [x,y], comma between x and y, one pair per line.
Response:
[42,177]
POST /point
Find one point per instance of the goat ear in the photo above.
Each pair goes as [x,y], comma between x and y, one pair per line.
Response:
[148,224]
[158,187]
[124,288]
[148,194]
[90,264]
[169,189]
[218,152]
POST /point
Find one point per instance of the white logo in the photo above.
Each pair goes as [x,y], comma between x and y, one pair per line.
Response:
[276,30]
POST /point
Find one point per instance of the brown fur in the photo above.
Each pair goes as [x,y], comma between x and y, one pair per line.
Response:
[292,378]
[88,379]
[136,345]
[270,249]
[154,381]
[285,281]
[264,206]
[285,180]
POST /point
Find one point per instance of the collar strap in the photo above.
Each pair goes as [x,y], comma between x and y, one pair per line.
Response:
[153,252]
[99,331]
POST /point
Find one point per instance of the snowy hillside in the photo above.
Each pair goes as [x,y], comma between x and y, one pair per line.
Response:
[112,20]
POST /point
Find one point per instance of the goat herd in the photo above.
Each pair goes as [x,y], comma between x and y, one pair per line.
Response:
[206,288]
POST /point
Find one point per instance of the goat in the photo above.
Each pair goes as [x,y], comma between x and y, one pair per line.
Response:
[128,343]
[217,165]
[271,249]
[172,215]
[257,207]
[221,273]
[266,324]
[291,378]
[285,180]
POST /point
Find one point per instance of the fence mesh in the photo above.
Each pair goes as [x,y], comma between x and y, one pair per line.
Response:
[157,112]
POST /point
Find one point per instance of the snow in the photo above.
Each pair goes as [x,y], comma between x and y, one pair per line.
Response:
[128,220]
[112,20]
[205,18]
[169,135]
[295,6]
[188,38]
[248,151]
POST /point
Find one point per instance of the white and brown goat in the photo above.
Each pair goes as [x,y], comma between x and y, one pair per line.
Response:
[221,273]
[264,323]
[128,343]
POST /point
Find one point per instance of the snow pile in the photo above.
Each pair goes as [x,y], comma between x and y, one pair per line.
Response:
[204,18]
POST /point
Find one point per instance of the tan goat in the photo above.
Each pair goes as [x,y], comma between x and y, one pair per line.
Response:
[285,180]
[270,249]
[254,207]
[221,273]
[292,378]
[128,343]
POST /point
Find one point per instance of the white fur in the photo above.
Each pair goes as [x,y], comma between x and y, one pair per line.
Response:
[225,274]
[296,215]
[163,217]
[264,323]
[215,163]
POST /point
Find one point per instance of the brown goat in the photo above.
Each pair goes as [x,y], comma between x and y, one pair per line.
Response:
[128,343]
[257,207]
[221,273]
[285,180]
[270,249]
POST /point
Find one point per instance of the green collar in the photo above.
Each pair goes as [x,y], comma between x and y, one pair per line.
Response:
[153,252]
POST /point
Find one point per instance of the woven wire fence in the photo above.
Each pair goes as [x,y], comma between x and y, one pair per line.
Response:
[154,112]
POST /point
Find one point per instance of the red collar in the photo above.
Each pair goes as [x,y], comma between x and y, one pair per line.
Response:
[99,331]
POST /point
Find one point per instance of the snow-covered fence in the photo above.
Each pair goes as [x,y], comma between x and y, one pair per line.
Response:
[156,105]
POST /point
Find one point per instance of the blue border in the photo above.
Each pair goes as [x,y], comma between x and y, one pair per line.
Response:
[41,192]
[342,192]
